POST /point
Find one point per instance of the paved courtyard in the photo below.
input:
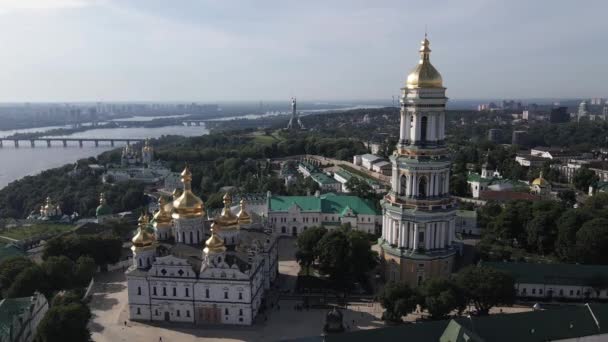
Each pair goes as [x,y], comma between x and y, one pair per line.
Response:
[109,309]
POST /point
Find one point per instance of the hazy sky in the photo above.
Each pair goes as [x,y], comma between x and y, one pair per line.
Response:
[173,50]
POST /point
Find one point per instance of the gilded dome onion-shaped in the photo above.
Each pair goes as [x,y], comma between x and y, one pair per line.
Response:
[103,208]
[243,217]
[147,147]
[162,216]
[227,219]
[188,205]
[424,75]
[143,238]
[214,244]
[540,181]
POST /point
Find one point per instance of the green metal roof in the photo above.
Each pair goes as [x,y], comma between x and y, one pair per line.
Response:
[9,308]
[103,209]
[344,174]
[561,323]
[327,203]
[555,274]
[455,332]
[322,178]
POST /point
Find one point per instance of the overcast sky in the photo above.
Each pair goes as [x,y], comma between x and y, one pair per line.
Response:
[174,50]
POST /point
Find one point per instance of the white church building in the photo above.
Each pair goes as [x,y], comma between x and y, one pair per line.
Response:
[176,277]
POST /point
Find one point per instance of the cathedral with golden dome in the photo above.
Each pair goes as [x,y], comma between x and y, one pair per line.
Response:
[192,268]
[418,224]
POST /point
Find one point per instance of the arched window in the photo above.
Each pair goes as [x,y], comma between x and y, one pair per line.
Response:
[422,187]
[403,185]
[423,126]
[191,238]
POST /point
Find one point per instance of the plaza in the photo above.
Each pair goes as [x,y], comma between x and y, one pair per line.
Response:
[110,312]
[282,322]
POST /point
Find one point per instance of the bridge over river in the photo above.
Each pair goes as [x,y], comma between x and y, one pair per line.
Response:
[65,141]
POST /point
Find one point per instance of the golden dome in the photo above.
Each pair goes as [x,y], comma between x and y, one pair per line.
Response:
[540,181]
[162,216]
[176,193]
[143,238]
[49,203]
[243,217]
[214,244]
[188,205]
[147,147]
[227,219]
[424,75]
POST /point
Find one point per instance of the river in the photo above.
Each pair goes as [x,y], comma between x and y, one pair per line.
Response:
[16,163]
[25,160]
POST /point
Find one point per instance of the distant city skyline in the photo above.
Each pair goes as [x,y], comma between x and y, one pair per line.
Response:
[215,51]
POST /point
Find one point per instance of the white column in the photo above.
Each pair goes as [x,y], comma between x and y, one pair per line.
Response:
[402,126]
[442,126]
[406,238]
[415,133]
[451,230]
[408,125]
[443,235]
[431,127]
[432,184]
[402,234]
[415,245]
[397,236]
[427,237]
[384,227]
[446,183]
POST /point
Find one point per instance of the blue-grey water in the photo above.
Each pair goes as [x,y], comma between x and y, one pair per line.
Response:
[25,160]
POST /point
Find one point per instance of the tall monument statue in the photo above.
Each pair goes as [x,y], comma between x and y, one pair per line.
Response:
[294,121]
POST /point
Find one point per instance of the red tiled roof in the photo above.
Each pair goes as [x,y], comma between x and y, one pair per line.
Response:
[488,195]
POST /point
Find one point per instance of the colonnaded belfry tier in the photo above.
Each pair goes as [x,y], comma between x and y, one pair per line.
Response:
[418,226]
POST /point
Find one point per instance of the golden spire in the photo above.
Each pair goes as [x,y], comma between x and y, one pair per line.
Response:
[227,219]
[214,244]
[143,238]
[243,217]
[188,205]
[162,217]
[424,75]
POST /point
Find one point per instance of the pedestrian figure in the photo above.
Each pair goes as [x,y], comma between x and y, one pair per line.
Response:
[125,323]
[160,339]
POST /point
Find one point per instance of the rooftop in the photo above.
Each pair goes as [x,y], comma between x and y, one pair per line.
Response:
[557,274]
[328,203]
[322,178]
[561,323]
[9,309]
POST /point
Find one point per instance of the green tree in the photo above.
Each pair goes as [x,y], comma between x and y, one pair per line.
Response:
[65,323]
[361,257]
[59,272]
[360,188]
[27,282]
[486,287]
[583,178]
[333,255]
[84,270]
[398,300]
[442,296]
[592,242]
[10,268]
[307,245]
[568,225]
[542,232]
